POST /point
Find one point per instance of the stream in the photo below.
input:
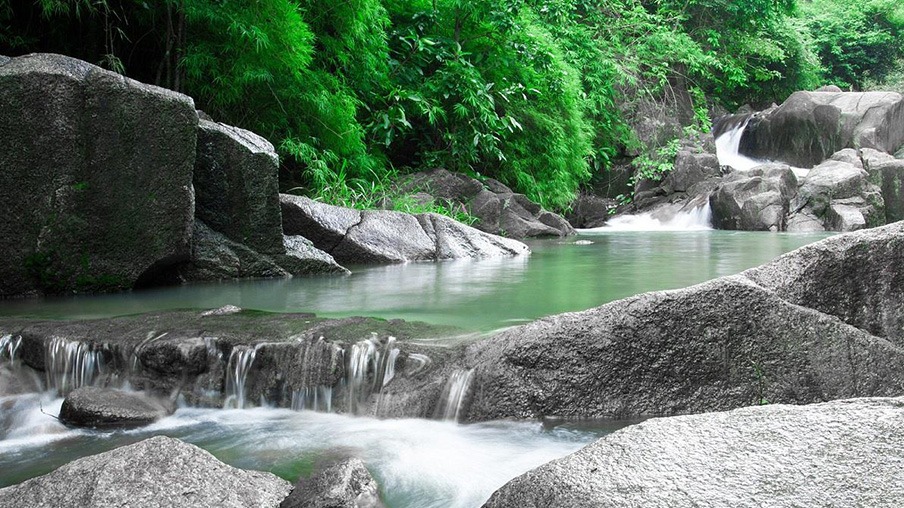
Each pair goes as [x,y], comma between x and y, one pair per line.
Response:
[418,463]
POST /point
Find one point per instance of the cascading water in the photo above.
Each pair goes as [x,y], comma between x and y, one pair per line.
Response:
[454,394]
[318,398]
[697,218]
[368,358]
[9,347]
[240,361]
[71,364]
[728,132]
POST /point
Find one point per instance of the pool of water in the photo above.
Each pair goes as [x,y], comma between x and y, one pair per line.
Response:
[570,274]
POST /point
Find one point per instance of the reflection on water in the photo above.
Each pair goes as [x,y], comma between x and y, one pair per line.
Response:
[576,273]
[418,463]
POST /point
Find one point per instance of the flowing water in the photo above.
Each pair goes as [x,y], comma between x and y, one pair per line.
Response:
[418,463]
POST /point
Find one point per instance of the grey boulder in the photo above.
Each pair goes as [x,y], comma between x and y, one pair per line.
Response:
[346,484]
[159,472]
[96,180]
[237,188]
[842,195]
[106,407]
[843,453]
[382,236]
[755,200]
[810,126]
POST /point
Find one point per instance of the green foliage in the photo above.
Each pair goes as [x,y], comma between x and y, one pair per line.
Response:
[856,41]
[657,165]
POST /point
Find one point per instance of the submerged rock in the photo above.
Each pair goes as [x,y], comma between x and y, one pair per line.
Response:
[160,472]
[105,407]
[347,484]
[96,180]
[844,453]
[382,236]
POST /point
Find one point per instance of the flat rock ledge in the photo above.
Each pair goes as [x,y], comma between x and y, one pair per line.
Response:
[159,472]
[842,453]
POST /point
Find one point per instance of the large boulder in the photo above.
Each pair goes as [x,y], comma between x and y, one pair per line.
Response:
[91,406]
[755,200]
[96,180]
[346,484]
[810,126]
[690,169]
[382,236]
[499,210]
[844,453]
[237,187]
[823,322]
[590,211]
[216,257]
[855,277]
[888,175]
[162,472]
[841,194]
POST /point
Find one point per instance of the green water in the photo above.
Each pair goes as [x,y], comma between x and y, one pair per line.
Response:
[559,276]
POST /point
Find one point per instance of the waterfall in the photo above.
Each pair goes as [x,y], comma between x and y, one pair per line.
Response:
[728,131]
[9,347]
[695,219]
[240,361]
[319,398]
[367,358]
[71,364]
[454,393]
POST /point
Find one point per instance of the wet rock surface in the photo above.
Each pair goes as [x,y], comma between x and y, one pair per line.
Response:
[160,472]
[345,484]
[109,408]
[843,453]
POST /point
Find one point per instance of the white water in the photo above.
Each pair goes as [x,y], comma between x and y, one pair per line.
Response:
[71,364]
[695,219]
[418,463]
[454,394]
[240,361]
[727,146]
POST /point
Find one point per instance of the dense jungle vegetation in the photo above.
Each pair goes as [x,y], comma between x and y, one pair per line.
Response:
[540,94]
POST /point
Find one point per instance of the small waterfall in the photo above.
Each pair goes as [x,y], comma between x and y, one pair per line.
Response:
[728,131]
[9,347]
[240,361]
[71,364]
[367,358]
[454,394]
[696,219]
[319,398]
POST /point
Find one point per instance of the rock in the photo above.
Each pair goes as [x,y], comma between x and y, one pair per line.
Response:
[855,277]
[691,169]
[160,472]
[755,200]
[849,156]
[237,188]
[804,221]
[215,257]
[499,210]
[842,453]
[590,211]
[823,322]
[810,126]
[105,407]
[96,177]
[828,88]
[889,177]
[382,236]
[302,257]
[842,195]
[346,484]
